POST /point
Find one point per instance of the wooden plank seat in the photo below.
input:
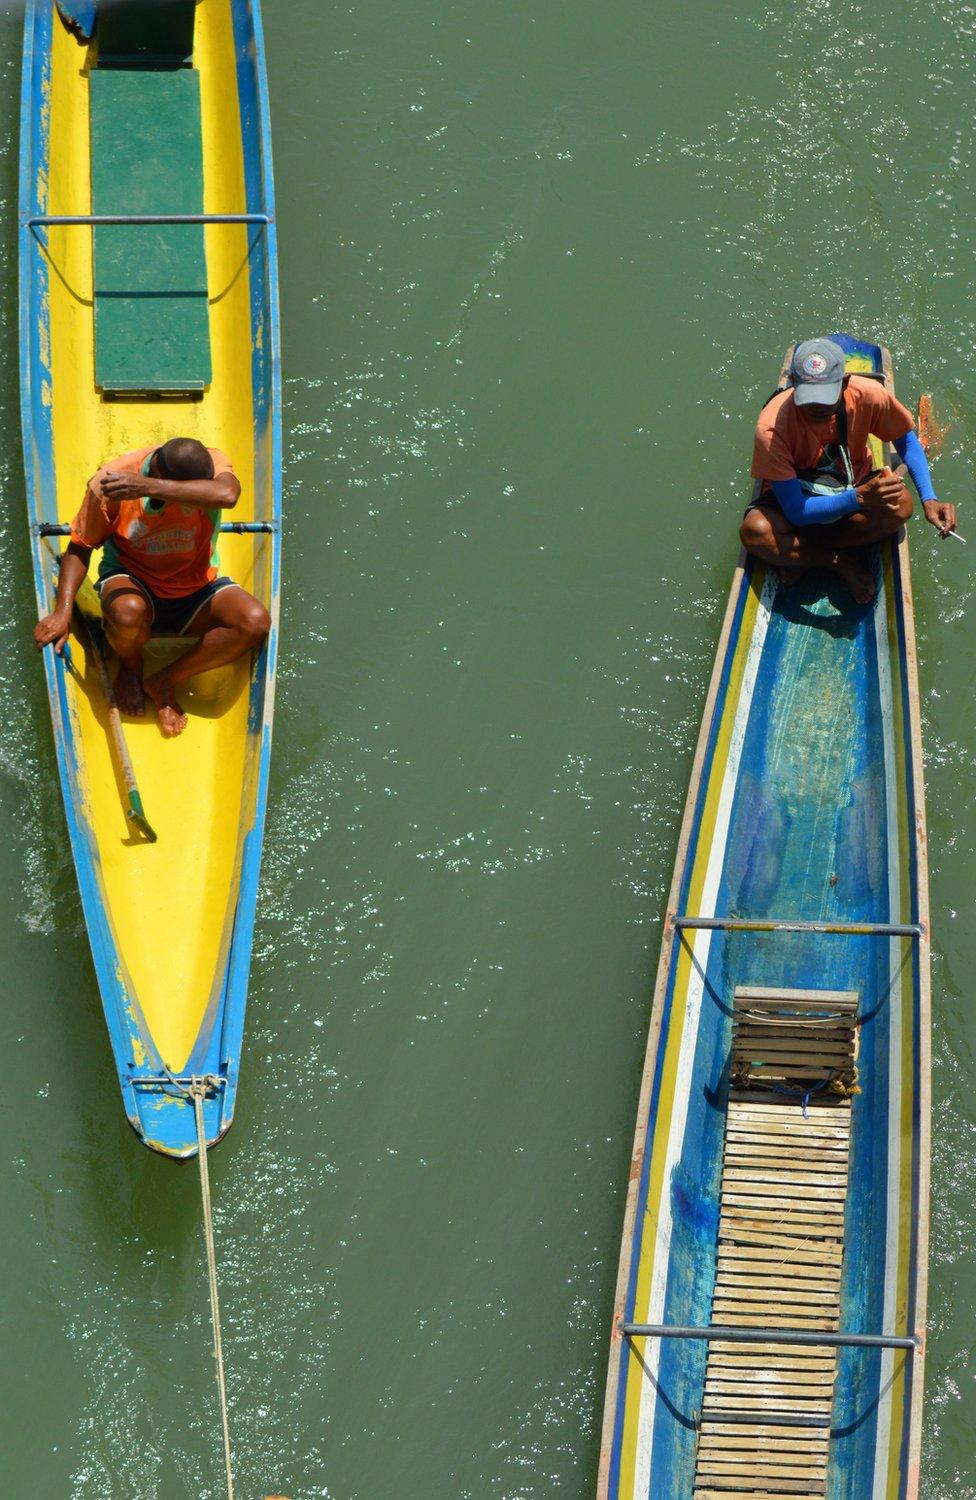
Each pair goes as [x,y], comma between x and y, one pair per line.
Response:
[152,325]
[780,1245]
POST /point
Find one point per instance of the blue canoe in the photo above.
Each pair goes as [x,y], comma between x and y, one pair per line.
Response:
[133,332]
[775,1239]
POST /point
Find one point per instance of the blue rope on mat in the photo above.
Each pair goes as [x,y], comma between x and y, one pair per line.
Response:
[805,1094]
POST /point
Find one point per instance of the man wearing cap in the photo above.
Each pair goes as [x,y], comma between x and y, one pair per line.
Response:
[821,497]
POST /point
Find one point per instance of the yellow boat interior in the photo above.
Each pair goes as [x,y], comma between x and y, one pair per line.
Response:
[170,904]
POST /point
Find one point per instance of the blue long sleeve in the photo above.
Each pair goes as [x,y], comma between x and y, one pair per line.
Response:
[912,455]
[813,510]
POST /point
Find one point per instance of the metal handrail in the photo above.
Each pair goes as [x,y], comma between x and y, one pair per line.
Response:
[772,1336]
[57,528]
[789,924]
[36,220]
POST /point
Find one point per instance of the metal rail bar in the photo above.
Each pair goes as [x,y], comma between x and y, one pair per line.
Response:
[39,220]
[247,526]
[772,1336]
[774,924]
[51,528]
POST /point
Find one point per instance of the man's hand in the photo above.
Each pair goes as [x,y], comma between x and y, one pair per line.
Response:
[941,515]
[883,491]
[53,628]
[116,487]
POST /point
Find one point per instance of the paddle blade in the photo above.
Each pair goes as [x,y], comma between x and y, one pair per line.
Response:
[930,434]
[138,819]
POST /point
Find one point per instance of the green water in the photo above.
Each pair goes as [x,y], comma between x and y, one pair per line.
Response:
[538,268]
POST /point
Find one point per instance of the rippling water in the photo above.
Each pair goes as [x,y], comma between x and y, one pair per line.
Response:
[538,268]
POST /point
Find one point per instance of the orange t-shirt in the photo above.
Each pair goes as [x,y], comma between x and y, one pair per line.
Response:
[787,441]
[173,548]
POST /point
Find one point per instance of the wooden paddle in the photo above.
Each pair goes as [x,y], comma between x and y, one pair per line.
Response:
[931,437]
[90,615]
[930,434]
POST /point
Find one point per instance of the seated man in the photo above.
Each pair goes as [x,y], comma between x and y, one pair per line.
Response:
[819,429]
[156,513]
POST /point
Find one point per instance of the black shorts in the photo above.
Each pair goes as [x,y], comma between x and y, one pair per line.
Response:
[171,616]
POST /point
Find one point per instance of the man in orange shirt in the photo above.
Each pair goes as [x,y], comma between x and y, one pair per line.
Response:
[821,499]
[156,513]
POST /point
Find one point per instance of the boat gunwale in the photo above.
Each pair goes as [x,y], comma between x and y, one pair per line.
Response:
[629,1242]
[918,1299]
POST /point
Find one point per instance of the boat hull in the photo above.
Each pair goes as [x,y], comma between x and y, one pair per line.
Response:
[805,804]
[170,923]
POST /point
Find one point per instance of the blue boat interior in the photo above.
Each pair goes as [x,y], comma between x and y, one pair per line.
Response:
[808,839]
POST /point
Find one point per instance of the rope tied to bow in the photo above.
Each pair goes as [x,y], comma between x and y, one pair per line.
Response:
[199,1090]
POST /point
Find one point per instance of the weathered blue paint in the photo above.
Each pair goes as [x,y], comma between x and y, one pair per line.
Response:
[80,14]
[162,1117]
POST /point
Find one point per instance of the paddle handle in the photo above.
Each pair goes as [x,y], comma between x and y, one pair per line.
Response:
[89,612]
[135,812]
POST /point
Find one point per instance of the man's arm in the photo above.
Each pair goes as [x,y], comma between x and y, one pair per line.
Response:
[55,626]
[813,510]
[912,454]
[879,492]
[220,493]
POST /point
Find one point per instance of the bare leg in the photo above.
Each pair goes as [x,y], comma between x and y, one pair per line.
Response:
[768,533]
[230,624]
[126,612]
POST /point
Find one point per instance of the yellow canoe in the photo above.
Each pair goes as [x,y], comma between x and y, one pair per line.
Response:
[170,922]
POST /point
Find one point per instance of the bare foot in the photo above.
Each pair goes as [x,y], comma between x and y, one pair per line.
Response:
[856,576]
[128,690]
[789,576]
[172,719]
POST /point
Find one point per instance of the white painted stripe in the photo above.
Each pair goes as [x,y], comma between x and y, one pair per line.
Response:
[654,1310]
[880,1486]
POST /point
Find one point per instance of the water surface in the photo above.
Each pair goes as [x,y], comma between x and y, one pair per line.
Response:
[538,270]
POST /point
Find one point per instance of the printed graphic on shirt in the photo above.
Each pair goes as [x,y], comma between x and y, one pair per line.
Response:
[170,546]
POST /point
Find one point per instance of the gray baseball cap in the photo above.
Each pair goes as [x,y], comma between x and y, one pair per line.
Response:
[817,372]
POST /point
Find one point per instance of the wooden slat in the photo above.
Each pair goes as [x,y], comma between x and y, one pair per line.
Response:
[748,1210]
[818,1253]
[842,999]
[742,1380]
[738,1293]
[745,1494]
[820,1104]
[825,1131]
[745,1147]
[742,1356]
[766,1353]
[780,1249]
[825,1044]
[769,1286]
[770,1390]
[715,1443]
[762,1429]
[742,1494]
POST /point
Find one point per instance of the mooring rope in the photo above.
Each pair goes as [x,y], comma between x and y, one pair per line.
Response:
[199,1090]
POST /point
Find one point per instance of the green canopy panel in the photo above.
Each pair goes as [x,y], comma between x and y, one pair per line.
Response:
[152,325]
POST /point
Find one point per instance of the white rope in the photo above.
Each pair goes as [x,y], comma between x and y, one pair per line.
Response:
[199,1090]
